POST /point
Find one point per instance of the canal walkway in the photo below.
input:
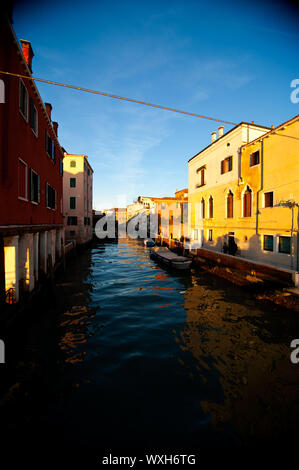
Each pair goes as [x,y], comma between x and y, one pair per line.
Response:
[121,352]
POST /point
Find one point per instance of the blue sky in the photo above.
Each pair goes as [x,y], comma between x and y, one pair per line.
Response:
[232,61]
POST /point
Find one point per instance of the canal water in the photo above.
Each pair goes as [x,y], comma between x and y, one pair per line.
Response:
[124,353]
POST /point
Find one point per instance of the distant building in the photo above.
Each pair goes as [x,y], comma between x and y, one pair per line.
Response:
[77,198]
[31,219]
[172,216]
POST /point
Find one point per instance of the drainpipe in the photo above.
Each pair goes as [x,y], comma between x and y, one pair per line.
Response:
[261,188]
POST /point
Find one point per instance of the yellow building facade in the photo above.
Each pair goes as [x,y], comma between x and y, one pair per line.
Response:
[243,191]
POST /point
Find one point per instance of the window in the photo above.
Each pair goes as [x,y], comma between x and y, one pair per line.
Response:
[88,171]
[201,176]
[72,182]
[33,116]
[23,105]
[268,199]
[210,234]
[72,233]
[211,207]
[73,164]
[247,202]
[22,180]
[230,205]
[284,245]
[72,220]
[268,242]
[195,234]
[50,147]
[60,167]
[72,203]
[202,208]
[255,158]
[34,186]
[50,197]
[226,165]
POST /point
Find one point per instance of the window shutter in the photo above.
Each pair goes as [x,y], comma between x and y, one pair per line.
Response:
[222,167]
[47,196]
[46,141]
[31,106]
[54,151]
[230,163]
[251,159]
[38,188]
[31,186]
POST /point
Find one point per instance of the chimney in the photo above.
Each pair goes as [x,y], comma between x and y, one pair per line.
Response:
[214,136]
[27,52]
[48,109]
[252,122]
[55,127]
[220,131]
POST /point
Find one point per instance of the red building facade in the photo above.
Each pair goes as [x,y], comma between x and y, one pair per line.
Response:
[31,174]
[30,154]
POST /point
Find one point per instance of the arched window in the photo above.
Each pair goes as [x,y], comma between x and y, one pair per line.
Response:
[211,207]
[202,208]
[230,205]
[247,202]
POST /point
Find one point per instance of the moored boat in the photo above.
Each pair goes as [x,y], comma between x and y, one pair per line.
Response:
[170,258]
[149,242]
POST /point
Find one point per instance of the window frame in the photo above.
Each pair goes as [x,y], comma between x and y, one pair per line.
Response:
[202,171]
[273,243]
[251,164]
[33,201]
[266,193]
[75,180]
[230,197]
[21,198]
[243,201]
[229,165]
[21,83]
[35,129]
[211,207]
[53,190]
[72,198]
[278,245]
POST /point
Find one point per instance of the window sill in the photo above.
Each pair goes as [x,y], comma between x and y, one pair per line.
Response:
[34,203]
[252,166]
[199,186]
[22,199]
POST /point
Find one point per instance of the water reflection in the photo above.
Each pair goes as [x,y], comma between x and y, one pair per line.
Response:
[139,354]
[257,384]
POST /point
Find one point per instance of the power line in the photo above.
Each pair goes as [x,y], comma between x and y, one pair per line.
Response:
[117,97]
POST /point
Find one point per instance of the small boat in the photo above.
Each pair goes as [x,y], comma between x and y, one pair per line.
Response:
[149,242]
[170,258]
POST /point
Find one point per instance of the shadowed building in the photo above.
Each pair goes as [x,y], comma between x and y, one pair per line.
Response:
[31,220]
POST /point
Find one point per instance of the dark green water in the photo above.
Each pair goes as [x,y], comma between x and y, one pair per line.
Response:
[125,353]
